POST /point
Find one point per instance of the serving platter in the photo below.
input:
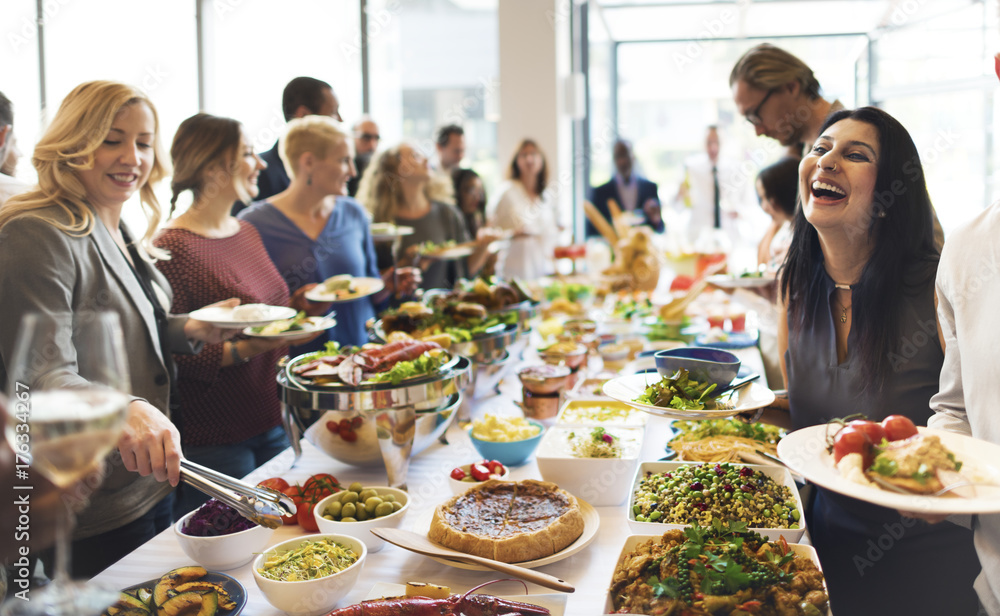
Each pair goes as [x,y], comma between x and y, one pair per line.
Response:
[633,541]
[452,253]
[555,603]
[363,288]
[453,360]
[591,523]
[629,387]
[804,451]
[231,585]
[222,317]
[310,326]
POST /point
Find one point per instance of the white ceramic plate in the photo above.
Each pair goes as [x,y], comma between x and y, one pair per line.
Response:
[728,281]
[591,522]
[555,603]
[223,317]
[310,326]
[632,541]
[628,388]
[363,288]
[449,254]
[397,231]
[804,451]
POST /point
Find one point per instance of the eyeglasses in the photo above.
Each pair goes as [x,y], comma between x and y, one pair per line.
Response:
[369,136]
[753,117]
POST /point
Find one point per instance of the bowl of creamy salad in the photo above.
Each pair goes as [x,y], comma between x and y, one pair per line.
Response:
[591,462]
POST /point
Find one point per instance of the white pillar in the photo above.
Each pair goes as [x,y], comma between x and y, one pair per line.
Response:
[534,62]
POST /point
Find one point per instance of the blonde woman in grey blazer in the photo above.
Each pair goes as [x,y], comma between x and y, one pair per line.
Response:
[64,249]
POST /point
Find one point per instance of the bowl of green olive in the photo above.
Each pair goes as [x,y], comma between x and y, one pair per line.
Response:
[358,509]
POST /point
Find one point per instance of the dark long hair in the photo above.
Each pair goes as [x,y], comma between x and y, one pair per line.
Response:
[903,260]
[781,184]
[543,175]
[460,177]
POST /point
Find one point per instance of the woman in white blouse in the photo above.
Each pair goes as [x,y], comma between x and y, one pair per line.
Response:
[526,208]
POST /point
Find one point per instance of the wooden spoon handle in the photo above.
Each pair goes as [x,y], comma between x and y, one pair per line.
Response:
[530,575]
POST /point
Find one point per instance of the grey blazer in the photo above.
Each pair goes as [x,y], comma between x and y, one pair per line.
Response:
[43,269]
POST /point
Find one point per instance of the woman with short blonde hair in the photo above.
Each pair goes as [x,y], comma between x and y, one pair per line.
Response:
[313,230]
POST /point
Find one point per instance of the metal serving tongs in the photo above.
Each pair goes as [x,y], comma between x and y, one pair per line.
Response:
[262,506]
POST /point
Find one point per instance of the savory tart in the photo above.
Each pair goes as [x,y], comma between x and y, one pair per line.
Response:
[507,521]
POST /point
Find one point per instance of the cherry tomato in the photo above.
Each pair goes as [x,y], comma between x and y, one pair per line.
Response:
[851,440]
[356,422]
[457,474]
[319,486]
[349,435]
[873,429]
[305,517]
[898,427]
[495,467]
[295,492]
[275,483]
[345,424]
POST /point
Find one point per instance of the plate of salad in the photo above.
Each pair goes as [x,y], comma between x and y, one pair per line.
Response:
[680,397]
[394,363]
[297,327]
[445,251]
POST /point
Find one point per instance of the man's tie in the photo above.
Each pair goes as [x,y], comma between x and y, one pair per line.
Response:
[715,197]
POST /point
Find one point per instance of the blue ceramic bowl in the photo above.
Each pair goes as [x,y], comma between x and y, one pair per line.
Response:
[512,453]
[704,364]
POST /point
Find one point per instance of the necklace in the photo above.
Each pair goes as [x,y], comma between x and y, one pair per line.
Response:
[843,308]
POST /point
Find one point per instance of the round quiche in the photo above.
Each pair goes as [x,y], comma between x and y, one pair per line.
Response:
[509,521]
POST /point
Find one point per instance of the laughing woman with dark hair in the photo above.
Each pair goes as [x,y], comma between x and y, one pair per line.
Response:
[858,287]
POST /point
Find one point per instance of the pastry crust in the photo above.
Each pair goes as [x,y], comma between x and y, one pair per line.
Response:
[507,521]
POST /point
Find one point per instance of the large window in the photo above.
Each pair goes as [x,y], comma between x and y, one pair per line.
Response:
[436,62]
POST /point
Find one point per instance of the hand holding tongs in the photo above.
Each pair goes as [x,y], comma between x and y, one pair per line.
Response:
[260,505]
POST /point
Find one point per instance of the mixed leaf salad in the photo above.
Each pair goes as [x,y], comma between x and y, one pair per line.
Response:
[680,392]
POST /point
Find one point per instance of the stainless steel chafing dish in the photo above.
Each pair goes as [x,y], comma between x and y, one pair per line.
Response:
[384,422]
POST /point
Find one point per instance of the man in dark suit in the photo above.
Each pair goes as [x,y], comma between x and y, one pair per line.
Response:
[302,96]
[630,191]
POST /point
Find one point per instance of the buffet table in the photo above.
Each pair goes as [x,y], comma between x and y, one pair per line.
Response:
[588,570]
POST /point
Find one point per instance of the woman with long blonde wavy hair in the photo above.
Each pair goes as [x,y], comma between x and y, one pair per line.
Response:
[399,188]
[65,253]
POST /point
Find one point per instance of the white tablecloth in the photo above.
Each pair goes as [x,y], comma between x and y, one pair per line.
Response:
[589,570]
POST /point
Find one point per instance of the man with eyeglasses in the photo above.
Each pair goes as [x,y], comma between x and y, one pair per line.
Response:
[366,138]
[779,95]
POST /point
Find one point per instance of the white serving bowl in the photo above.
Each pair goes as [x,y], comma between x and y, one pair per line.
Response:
[224,551]
[599,481]
[459,487]
[607,413]
[632,541]
[362,529]
[779,474]
[310,597]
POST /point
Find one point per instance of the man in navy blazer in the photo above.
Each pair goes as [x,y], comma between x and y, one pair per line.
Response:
[630,191]
[302,96]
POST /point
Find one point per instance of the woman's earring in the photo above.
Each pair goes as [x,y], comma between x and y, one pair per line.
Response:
[309,182]
[882,214]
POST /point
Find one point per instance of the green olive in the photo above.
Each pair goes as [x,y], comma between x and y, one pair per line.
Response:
[348,511]
[389,497]
[362,514]
[372,503]
[333,509]
[356,487]
[366,494]
[383,509]
[349,497]
[348,520]
[396,506]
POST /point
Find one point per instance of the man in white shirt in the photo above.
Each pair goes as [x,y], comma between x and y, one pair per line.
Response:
[9,154]
[968,293]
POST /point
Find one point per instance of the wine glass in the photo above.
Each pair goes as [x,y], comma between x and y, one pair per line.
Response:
[67,405]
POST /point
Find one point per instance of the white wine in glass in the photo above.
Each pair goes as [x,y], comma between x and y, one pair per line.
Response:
[68,402]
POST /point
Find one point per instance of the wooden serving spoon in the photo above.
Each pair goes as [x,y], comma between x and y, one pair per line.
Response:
[420,544]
